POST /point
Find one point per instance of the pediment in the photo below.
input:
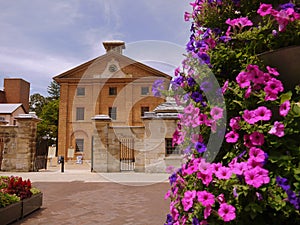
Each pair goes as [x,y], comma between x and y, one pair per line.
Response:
[110,65]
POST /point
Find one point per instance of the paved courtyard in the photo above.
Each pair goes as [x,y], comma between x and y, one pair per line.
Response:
[78,196]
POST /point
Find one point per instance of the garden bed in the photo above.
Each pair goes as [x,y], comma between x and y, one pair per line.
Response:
[18,210]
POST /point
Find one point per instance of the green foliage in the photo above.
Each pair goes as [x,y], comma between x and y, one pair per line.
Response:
[7,199]
[49,124]
[35,191]
[37,102]
[54,90]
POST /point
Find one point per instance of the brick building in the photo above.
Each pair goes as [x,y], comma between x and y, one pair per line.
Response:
[112,85]
[14,100]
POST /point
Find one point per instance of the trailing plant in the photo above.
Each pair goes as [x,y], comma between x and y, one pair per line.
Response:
[253,176]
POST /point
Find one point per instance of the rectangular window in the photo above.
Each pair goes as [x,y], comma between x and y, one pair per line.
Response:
[112,112]
[145,91]
[112,91]
[80,113]
[79,145]
[143,110]
[170,150]
[80,91]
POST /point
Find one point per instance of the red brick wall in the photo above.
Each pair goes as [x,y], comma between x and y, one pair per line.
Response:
[17,91]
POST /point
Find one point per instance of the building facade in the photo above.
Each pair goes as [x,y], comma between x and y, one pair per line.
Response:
[112,85]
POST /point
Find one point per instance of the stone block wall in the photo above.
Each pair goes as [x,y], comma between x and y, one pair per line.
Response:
[18,144]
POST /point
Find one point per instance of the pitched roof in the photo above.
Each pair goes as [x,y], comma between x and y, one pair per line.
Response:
[9,108]
[107,56]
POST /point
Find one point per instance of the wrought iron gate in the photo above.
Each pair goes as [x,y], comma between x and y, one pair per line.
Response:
[127,154]
[1,150]
[41,154]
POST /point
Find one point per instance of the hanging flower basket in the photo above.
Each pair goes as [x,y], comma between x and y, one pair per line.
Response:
[286,60]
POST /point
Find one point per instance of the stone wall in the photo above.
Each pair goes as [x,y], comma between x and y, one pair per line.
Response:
[18,144]
[148,145]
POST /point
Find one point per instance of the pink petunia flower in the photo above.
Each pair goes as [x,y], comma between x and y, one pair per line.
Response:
[253,178]
[239,168]
[248,92]
[257,154]
[221,198]
[215,167]
[249,116]
[251,163]
[188,199]
[234,123]
[263,113]
[206,198]
[277,129]
[274,86]
[206,178]
[283,19]
[225,86]
[207,212]
[224,173]
[243,79]
[226,212]
[264,9]
[264,175]
[255,74]
[216,113]
[257,138]
[174,212]
[272,71]
[284,108]
[247,141]
[187,16]
[232,137]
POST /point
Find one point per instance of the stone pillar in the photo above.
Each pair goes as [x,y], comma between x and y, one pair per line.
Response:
[100,143]
[26,142]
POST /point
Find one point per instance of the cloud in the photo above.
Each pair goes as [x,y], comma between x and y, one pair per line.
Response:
[42,38]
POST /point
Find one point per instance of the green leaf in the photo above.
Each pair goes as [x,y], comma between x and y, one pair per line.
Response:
[286,96]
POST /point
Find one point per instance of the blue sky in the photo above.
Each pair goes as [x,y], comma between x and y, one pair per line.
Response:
[43,38]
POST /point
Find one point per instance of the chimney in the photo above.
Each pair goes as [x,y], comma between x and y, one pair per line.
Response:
[116,46]
[17,90]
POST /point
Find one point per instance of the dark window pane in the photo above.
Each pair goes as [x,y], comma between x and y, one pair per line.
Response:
[112,112]
[112,91]
[79,145]
[81,91]
[145,90]
[170,150]
[143,110]
[80,113]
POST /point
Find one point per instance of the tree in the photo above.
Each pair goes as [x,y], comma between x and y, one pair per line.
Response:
[37,102]
[54,90]
[48,127]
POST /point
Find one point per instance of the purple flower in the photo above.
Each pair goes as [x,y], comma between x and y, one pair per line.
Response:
[200,147]
[191,82]
[225,38]
[283,183]
[169,220]
[195,221]
[157,86]
[173,178]
[204,57]
[197,96]
[190,46]
[287,6]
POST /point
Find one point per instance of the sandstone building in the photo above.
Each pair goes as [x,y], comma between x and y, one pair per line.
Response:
[105,105]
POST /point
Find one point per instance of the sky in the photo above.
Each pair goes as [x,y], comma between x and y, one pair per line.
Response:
[43,38]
